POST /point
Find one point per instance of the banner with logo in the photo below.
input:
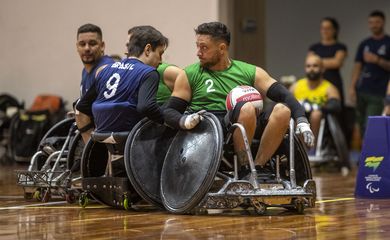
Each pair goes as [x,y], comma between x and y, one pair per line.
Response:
[373,178]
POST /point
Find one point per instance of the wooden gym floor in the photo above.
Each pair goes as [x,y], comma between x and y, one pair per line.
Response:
[337,215]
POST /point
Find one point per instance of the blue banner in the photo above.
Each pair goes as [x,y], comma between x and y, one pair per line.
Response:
[373,178]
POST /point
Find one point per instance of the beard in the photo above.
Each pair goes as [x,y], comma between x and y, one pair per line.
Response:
[210,63]
[313,76]
[377,30]
[92,61]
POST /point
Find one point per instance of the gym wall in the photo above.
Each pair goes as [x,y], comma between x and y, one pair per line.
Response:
[37,44]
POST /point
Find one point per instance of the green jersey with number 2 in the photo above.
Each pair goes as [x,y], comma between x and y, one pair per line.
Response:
[210,88]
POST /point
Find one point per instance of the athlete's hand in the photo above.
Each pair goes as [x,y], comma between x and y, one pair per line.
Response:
[190,121]
[304,129]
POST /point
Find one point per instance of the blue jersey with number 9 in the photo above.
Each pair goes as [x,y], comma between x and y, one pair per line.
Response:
[115,108]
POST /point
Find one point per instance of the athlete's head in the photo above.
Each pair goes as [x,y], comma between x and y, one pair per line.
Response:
[212,42]
[147,44]
[376,22]
[90,45]
[313,67]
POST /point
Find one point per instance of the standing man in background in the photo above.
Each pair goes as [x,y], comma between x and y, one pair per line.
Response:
[371,71]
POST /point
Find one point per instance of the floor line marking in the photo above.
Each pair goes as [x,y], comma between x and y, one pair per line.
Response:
[49,205]
[335,200]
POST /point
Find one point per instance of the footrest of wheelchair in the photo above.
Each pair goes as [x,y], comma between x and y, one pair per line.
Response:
[112,191]
[34,178]
[236,192]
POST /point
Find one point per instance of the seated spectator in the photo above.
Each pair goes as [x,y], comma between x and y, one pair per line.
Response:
[317,95]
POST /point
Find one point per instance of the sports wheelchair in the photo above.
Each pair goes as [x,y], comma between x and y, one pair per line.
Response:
[54,168]
[102,171]
[111,179]
[331,146]
[192,178]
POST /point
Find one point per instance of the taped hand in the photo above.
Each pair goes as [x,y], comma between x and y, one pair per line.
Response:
[304,129]
[190,121]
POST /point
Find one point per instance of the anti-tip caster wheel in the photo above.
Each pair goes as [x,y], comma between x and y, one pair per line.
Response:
[245,204]
[37,195]
[126,202]
[70,197]
[259,207]
[299,206]
[28,195]
[198,211]
[83,199]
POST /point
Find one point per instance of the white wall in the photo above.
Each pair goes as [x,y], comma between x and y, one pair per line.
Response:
[292,26]
[37,42]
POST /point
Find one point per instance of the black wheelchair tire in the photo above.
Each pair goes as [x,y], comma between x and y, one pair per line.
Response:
[339,141]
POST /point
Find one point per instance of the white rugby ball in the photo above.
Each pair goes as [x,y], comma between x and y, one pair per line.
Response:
[244,94]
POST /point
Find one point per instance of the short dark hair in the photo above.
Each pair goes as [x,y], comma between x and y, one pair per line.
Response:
[335,25]
[216,30]
[377,13]
[89,27]
[143,35]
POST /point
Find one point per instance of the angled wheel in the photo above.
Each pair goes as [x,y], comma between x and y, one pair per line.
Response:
[60,129]
[145,151]
[191,164]
[338,138]
[73,160]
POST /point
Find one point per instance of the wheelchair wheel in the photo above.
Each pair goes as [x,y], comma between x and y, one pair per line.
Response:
[75,153]
[60,129]
[94,160]
[145,151]
[93,168]
[191,164]
[339,141]
[302,164]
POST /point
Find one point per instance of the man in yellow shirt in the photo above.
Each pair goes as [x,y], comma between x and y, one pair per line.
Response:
[317,95]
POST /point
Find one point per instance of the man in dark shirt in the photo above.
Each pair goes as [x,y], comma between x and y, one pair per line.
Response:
[371,71]
[125,92]
[90,46]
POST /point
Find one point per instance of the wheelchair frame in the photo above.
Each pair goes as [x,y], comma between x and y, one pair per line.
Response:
[93,186]
[260,196]
[51,179]
[242,193]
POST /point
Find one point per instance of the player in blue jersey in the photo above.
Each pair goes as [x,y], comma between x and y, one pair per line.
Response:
[90,47]
[125,92]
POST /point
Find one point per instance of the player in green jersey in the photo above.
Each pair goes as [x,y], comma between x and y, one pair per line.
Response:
[168,74]
[205,85]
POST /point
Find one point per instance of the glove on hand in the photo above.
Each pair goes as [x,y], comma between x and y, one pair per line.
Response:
[190,121]
[304,129]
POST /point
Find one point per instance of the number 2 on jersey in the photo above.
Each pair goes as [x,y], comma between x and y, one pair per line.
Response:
[112,87]
[210,84]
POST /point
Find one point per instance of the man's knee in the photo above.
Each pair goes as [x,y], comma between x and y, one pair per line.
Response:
[247,112]
[281,114]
